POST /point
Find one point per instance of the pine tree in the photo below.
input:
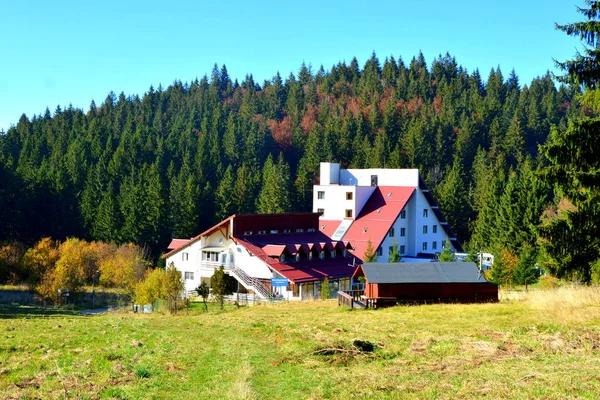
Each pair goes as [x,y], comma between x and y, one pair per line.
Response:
[571,230]
[224,201]
[394,256]
[274,197]
[370,254]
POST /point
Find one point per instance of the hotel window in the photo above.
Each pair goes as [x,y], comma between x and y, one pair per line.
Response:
[424,213]
[348,195]
[392,232]
[189,276]
[379,251]
[348,213]
[321,211]
[434,228]
[403,214]
[424,228]
[320,195]
[402,231]
[184,256]
[402,249]
[424,246]
[434,246]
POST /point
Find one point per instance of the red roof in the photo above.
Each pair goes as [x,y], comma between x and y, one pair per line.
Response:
[177,243]
[329,226]
[377,217]
[262,246]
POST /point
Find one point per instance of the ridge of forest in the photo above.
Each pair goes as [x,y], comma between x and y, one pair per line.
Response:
[177,160]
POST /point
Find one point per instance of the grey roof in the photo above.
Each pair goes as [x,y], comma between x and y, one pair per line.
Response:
[424,272]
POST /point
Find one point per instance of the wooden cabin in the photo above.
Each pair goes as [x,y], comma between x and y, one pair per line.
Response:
[392,283]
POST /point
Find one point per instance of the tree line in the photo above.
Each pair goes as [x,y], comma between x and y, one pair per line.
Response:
[179,159]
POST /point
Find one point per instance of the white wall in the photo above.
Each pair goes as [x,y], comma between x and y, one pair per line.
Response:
[191,265]
[251,265]
[385,177]
[335,204]
[330,173]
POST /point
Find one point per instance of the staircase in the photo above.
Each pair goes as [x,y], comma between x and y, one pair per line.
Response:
[250,283]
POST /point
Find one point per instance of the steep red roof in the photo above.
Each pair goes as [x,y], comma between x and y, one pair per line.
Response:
[328,226]
[377,217]
[177,243]
[262,246]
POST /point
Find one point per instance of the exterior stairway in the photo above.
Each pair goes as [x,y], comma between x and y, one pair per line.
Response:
[250,283]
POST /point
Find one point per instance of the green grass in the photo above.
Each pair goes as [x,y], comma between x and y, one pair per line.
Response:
[519,348]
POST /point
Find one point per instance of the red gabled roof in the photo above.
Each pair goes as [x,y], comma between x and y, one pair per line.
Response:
[377,217]
[177,243]
[262,246]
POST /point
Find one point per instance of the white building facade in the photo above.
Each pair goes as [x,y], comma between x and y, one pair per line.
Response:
[384,206]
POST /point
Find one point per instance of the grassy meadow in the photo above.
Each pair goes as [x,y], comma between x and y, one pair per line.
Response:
[542,344]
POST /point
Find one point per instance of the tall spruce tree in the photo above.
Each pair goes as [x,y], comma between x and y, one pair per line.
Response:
[571,230]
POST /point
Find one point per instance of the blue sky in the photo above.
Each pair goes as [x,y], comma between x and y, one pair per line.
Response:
[70,52]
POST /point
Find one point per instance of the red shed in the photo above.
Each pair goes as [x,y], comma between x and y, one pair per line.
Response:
[390,283]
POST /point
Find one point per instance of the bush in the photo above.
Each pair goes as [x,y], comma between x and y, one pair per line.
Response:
[160,284]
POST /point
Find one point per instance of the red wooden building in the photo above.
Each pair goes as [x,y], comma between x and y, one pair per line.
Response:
[392,283]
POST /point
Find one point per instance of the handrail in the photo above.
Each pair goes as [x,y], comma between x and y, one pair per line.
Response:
[350,297]
[256,284]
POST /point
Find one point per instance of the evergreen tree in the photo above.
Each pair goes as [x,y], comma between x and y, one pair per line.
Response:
[571,230]
[394,256]
[274,196]
[370,253]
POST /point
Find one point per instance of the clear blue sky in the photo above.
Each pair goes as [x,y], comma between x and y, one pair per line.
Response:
[61,52]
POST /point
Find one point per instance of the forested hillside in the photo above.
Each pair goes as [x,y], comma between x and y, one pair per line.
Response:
[178,159]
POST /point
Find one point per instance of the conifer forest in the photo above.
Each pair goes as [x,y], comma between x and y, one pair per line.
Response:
[178,159]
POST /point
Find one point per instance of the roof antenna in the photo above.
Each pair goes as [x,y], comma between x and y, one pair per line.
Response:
[353,263]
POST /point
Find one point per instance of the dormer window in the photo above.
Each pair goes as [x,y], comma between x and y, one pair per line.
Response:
[322,255]
[247,233]
[333,253]
[262,232]
[311,230]
[299,230]
[345,252]
[287,231]
[282,258]
[297,257]
[310,256]
[274,231]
